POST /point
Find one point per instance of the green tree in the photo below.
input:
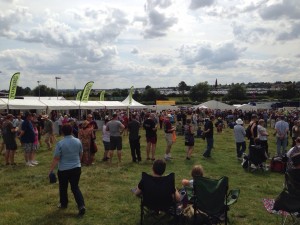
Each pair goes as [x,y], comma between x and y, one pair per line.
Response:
[23,91]
[237,91]
[182,87]
[290,92]
[199,92]
[150,94]
[44,91]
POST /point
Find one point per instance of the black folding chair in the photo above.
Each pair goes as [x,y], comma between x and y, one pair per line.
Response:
[157,200]
[289,199]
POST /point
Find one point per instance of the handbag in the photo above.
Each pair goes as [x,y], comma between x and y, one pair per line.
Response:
[93,147]
[52,178]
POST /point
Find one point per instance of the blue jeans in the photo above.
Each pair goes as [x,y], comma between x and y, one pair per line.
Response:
[239,151]
[71,176]
[210,145]
[281,143]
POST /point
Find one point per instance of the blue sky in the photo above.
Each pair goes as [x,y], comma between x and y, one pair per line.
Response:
[120,43]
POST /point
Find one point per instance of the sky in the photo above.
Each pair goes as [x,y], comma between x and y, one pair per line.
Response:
[124,43]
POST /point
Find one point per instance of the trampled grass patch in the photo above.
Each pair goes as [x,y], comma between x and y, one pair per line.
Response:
[27,197]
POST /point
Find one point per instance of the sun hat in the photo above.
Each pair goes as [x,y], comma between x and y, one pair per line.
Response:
[239,121]
[169,115]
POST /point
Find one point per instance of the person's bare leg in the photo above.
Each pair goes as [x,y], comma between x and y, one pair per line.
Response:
[153,150]
[119,153]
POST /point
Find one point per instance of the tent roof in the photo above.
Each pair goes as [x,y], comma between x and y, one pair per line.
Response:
[247,107]
[60,104]
[44,97]
[213,104]
[24,104]
[89,105]
[3,105]
[134,104]
[113,104]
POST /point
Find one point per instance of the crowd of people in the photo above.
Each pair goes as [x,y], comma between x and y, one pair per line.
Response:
[29,128]
[78,146]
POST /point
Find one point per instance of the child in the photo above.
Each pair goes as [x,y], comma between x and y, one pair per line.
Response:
[196,171]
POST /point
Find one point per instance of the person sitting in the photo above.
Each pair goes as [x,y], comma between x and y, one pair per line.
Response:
[196,171]
[289,199]
[293,151]
[158,169]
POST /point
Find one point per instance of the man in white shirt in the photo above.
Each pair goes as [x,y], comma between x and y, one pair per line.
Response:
[282,129]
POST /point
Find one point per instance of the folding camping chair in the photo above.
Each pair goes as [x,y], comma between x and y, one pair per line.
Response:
[289,199]
[212,199]
[257,158]
[157,198]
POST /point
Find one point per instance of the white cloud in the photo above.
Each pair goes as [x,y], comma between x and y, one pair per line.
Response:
[122,43]
[196,4]
[207,55]
[285,9]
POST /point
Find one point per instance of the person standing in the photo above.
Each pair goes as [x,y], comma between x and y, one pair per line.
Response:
[239,136]
[85,135]
[67,155]
[134,139]
[151,136]
[262,136]
[48,131]
[282,129]
[27,137]
[252,130]
[115,127]
[9,137]
[169,129]
[189,138]
[93,146]
[209,135]
[105,140]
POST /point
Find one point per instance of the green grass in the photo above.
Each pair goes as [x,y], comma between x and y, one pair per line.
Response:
[27,197]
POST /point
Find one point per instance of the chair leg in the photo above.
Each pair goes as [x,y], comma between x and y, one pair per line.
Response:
[142,214]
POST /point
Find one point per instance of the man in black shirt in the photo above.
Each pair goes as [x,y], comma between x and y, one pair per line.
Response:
[134,139]
[151,136]
[209,135]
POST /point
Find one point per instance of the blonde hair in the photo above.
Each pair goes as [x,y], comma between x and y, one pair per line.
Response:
[197,171]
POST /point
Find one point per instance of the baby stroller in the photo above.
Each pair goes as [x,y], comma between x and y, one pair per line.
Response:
[256,158]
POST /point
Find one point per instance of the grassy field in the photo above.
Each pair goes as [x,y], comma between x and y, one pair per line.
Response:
[27,197]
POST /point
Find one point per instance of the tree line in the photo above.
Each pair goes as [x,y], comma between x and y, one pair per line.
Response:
[200,92]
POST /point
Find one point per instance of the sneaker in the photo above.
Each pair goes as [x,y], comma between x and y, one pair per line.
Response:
[34,162]
[60,206]
[167,158]
[29,164]
[81,211]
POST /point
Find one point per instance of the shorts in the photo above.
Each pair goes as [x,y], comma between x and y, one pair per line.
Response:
[115,143]
[11,145]
[106,145]
[28,147]
[35,147]
[48,137]
[152,140]
[169,138]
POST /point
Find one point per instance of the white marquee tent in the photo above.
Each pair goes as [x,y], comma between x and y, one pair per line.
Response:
[247,107]
[113,104]
[213,104]
[3,105]
[24,104]
[134,104]
[60,104]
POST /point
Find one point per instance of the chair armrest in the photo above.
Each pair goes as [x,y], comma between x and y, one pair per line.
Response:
[233,196]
